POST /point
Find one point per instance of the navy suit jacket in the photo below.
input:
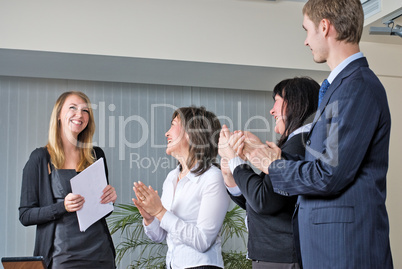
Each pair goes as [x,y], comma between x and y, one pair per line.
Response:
[341,183]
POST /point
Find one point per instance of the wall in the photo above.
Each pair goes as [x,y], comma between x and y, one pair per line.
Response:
[131,121]
[26,108]
[240,32]
[223,31]
[394,184]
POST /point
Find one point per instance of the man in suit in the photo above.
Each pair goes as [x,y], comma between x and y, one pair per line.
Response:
[341,182]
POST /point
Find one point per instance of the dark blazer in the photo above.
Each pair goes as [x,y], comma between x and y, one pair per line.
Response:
[269,215]
[343,221]
[37,206]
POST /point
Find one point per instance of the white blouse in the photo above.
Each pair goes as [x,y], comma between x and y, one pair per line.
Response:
[196,207]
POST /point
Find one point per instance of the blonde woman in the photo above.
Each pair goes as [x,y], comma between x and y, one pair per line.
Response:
[46,197]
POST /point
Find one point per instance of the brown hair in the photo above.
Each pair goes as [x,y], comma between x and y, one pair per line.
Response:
[202,128]
[300,96]
[347,16]
[84,140]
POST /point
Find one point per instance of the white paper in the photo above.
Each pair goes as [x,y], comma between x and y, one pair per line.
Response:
[90,184]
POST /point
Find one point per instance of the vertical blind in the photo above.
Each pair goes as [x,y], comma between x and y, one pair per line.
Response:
[131,121]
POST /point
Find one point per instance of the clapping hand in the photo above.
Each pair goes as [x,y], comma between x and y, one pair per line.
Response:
[224,148]
[148,202]
[258,154]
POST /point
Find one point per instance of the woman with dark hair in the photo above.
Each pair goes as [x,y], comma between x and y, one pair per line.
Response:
[194,202]
[269,215]
[299,96]
[46,197]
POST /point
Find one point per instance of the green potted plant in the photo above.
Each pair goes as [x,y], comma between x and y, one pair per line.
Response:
[128,221]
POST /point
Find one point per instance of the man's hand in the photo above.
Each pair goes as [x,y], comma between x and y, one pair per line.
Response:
[261,155]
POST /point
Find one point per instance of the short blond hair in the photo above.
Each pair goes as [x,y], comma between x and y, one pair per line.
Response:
[347,16]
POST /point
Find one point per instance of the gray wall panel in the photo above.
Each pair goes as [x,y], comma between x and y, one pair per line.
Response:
[126,114]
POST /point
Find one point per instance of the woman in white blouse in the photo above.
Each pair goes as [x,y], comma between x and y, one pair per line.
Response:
[194,202]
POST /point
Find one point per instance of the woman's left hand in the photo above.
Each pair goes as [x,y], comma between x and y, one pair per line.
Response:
[109,195]
[224,148]
[149,200]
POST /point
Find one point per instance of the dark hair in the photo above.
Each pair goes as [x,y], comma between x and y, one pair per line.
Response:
[202,128]
[347,16]
[300,96]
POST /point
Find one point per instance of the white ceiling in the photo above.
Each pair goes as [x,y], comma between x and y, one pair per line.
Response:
[237,52]
[366,37]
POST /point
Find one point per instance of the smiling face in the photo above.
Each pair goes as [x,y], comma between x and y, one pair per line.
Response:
[178,145]
[279,113]
[74,115]
[315,40]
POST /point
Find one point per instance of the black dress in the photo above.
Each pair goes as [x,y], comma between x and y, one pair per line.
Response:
[57,232]
[72,248]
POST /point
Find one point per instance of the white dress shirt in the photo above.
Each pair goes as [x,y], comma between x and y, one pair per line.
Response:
[334,73]
[196,207]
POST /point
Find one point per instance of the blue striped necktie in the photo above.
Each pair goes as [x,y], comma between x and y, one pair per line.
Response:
[324,87]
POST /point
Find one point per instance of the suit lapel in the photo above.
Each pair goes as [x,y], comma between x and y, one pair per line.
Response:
[346,72]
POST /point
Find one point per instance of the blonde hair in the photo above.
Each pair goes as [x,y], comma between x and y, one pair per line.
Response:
[84,140]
